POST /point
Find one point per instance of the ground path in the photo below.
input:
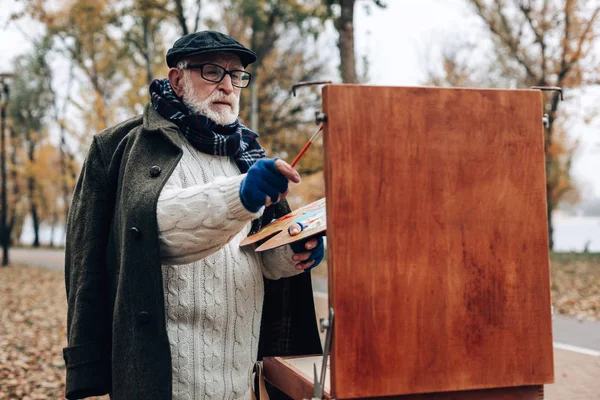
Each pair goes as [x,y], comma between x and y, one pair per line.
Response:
[576,344]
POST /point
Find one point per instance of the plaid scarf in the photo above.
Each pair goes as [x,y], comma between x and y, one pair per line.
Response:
[234,140]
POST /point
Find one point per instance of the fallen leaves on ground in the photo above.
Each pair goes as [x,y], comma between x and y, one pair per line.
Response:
[576,285]
[33,314]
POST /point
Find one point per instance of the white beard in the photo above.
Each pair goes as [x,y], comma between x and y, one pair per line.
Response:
[223,116]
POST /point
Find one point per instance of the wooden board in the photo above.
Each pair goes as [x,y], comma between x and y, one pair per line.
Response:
[311,216]
[437,240]
[292,375]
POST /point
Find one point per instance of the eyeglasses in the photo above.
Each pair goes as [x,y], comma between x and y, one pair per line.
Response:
[216,73]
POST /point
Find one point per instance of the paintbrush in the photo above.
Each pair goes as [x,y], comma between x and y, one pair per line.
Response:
[306,146]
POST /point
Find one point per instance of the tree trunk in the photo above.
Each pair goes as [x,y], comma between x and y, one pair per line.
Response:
[180,13]
[550,222]
[52,228]
[14,228]
[4,228]
[345,27]
[32,199]
[254,101]
[66,171]
[549,184]
[148,53]
[254,87]
[552,110]
[36,225]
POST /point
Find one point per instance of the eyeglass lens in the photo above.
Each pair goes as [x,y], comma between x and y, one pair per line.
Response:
[215,73]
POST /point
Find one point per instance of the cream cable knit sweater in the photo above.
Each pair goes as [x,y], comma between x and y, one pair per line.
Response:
[213,288]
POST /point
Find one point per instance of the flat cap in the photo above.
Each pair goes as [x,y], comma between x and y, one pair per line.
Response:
[207,42]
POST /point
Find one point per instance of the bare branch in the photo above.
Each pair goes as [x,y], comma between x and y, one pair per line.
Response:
[154,6]
[563,60]
[180,15]
[197,17]
[539,36]
[584,36]
[504,36]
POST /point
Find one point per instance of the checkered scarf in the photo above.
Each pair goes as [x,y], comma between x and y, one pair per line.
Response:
[204,134]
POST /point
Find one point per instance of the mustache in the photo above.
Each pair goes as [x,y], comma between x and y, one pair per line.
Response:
[220,97]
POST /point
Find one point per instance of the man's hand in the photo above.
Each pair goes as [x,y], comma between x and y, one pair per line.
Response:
[307,260]
[265,182]
[289,172]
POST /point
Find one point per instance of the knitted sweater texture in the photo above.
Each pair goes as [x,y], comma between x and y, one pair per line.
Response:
[213,288]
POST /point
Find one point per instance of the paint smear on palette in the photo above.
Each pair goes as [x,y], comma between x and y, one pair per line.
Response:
[314,220]
[271,229]
[311,216]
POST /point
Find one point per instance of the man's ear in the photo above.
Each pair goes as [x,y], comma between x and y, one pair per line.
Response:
[176,80]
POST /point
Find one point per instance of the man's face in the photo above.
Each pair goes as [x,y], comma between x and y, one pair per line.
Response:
[218,101]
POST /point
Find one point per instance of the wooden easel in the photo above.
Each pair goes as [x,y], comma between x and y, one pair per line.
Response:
[437,246]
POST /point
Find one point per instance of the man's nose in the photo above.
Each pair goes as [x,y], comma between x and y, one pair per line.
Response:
[225,85]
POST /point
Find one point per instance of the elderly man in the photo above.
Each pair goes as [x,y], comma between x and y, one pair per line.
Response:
[163,302]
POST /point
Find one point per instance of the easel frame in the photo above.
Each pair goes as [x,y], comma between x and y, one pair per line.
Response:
[438,261]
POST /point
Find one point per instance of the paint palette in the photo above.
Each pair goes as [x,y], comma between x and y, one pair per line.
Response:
[311,216]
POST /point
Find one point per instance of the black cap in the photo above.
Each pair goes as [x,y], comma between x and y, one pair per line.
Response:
[207,42]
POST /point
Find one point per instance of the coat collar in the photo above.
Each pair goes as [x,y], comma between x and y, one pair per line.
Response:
[153,122]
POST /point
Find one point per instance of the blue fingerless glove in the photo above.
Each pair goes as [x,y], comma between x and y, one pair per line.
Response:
[263,179]
[317,253]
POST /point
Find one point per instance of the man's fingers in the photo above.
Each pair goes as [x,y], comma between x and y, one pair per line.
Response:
[269,201]
[294,229]
[311,244]
[287,170]
[301,256]
[305,265]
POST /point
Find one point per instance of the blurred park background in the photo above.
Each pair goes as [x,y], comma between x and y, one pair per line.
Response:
[70,68]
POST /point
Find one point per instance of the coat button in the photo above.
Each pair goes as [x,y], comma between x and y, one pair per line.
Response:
[135,232]
[155,171]
[144,318]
